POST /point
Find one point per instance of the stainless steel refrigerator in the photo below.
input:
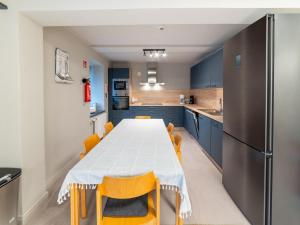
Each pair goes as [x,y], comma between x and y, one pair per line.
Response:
[261,140]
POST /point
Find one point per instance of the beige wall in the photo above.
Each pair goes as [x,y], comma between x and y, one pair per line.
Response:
[67,120]
[10,153]
[31,113]
[21,130]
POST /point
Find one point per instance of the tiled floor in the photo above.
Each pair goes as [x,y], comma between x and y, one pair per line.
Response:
[210,202]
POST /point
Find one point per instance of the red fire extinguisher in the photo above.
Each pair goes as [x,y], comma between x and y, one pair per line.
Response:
[87,90]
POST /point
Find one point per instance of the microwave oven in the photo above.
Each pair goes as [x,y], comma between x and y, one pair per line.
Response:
[120,87]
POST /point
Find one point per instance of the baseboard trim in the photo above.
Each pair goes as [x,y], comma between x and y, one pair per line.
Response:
[37,208]
[62,172]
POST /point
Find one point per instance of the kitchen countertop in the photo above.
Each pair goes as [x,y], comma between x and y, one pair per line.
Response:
[195,108]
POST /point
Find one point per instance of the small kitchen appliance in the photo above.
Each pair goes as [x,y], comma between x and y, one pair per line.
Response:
[120,94]
[181,99]
[192,99]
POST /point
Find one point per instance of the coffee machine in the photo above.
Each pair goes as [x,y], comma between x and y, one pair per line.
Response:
[192,99]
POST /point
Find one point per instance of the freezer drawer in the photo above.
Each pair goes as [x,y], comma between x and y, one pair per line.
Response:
[243,178]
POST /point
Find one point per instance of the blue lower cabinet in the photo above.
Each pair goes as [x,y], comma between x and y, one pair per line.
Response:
[117,115]
[204,124]
[217,142]
[173,114]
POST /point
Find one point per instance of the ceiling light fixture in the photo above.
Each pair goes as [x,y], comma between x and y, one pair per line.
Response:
[156,53]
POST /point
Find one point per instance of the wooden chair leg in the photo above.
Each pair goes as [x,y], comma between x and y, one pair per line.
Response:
[177,204]
[74,205]
[83,203]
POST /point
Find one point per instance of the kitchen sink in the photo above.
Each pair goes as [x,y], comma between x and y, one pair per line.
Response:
[213,112]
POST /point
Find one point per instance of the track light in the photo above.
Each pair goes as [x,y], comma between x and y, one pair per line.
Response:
[156,53]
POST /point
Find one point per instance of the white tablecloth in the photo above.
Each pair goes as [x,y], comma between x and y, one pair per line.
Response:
[134,147]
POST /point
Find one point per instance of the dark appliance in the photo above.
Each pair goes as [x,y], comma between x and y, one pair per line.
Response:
[9,189]
[120,103]
[261,139]
[192,99]
[120,87]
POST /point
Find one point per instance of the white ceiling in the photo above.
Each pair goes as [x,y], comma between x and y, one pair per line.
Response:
[120,34]
[183,43]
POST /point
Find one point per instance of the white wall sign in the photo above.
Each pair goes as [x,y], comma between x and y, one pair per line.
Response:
[62,67]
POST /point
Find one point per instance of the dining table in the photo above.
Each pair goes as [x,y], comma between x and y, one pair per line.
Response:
[134,147]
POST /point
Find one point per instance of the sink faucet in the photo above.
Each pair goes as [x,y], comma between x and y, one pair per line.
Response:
[221,105]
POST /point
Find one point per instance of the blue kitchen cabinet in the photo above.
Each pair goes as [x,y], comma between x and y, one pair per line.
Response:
[216,69]
[118,73]
[208,73]
[194,79]
[118,115]
[190,123]
[173,114]
[115,116]
[186,121]
[204,124]
[216,142]
[204,73]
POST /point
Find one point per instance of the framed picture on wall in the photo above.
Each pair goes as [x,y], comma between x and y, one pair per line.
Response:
[62,67]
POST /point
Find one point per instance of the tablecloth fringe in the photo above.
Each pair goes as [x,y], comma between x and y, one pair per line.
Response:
[66,193]
[93,187]
[175,188]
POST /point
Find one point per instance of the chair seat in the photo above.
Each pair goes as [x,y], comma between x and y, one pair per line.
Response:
[113,219]
[126,207]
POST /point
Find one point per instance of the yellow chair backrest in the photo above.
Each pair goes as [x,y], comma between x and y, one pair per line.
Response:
[172,138]
[143,117]
[177,140]
[128,187]
[108,128]
[91,142]
[170,128]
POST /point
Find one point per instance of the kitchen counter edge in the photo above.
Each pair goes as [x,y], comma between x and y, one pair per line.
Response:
[194,108]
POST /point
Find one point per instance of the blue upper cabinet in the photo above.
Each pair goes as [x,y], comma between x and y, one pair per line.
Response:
[216,69]
[118,73]
[204,73]
[208,73]
[194,77]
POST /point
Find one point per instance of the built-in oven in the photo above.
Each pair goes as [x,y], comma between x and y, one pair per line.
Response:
[120,87]
[120,103]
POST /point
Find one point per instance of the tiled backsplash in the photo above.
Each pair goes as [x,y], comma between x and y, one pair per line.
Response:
[208,98]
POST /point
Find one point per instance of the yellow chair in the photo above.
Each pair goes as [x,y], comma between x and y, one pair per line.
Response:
[170,128]
[172,138]
[177,146]
[89,144]
[143,117]
[108,128]
[126,188]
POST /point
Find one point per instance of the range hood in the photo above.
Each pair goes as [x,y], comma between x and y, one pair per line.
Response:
[152,76]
